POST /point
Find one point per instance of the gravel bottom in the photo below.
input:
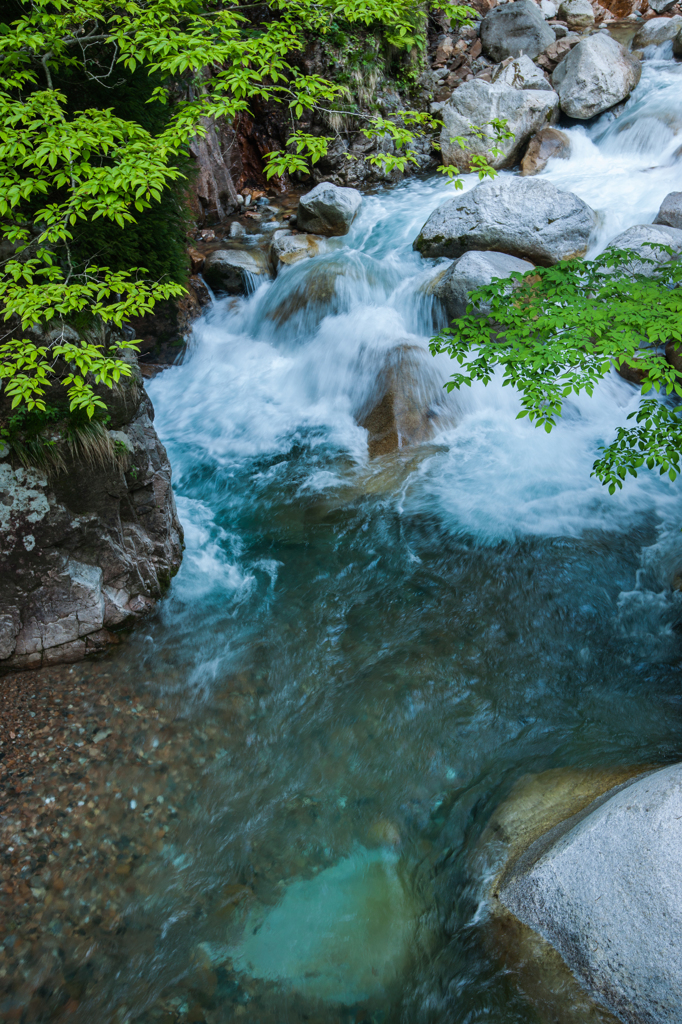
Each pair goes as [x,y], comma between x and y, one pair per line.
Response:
[92,780]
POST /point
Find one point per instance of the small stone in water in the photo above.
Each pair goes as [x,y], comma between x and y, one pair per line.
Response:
[133,804]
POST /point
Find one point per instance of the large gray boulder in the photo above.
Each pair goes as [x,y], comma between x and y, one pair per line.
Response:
[657,31]
[235,271]
[577,13]
[660,6]
[521,73]
[513,29]
[605,889]
[525,217]
[471,271]
[476,103]
[670,212]
[595,75]
[640,238]
[328,209]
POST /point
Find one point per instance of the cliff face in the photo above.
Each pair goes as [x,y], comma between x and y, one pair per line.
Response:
[86,548]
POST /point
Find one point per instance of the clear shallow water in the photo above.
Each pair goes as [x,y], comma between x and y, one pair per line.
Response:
[388,646]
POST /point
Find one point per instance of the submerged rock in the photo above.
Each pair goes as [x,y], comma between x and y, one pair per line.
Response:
[478,102]
[595,75]
[328,209]
[342,936]
[529,218]
[235,271]
[86,548]
[407,403]
[605,888]
[670,212]
[513,29]
[657,31]
[548,144]
[472,271]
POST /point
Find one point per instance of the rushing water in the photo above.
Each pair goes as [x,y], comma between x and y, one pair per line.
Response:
[406,636]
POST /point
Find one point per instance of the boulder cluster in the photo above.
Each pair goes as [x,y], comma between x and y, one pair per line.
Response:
[534,70]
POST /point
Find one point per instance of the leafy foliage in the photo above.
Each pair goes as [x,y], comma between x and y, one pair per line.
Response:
[63,169]
[557,331]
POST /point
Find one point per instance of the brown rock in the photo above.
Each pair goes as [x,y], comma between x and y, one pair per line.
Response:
[444,51]
[549,142]
[196,259]
[556,52]
[476,50]
[407,404]
[482,6]
[673,355]
[631,373]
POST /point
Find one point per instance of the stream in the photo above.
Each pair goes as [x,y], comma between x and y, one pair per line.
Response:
[386,646]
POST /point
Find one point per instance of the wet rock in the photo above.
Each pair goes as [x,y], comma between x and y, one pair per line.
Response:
[471,271]
[521,73]
[513,29]
[631,373]
[670,212]
[328,209]
[477,102]
[677,44]
[597,74]
[673,355]
[235,271]
[605,889]
[92,545]
[407,403]
[577,13]
[288,248]
[640,238]
[657,31]
[555,53]
[525,217]
[536,804]
[547,144]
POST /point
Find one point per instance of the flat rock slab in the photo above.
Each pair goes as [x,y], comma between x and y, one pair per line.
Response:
[525,217]
[605,889]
